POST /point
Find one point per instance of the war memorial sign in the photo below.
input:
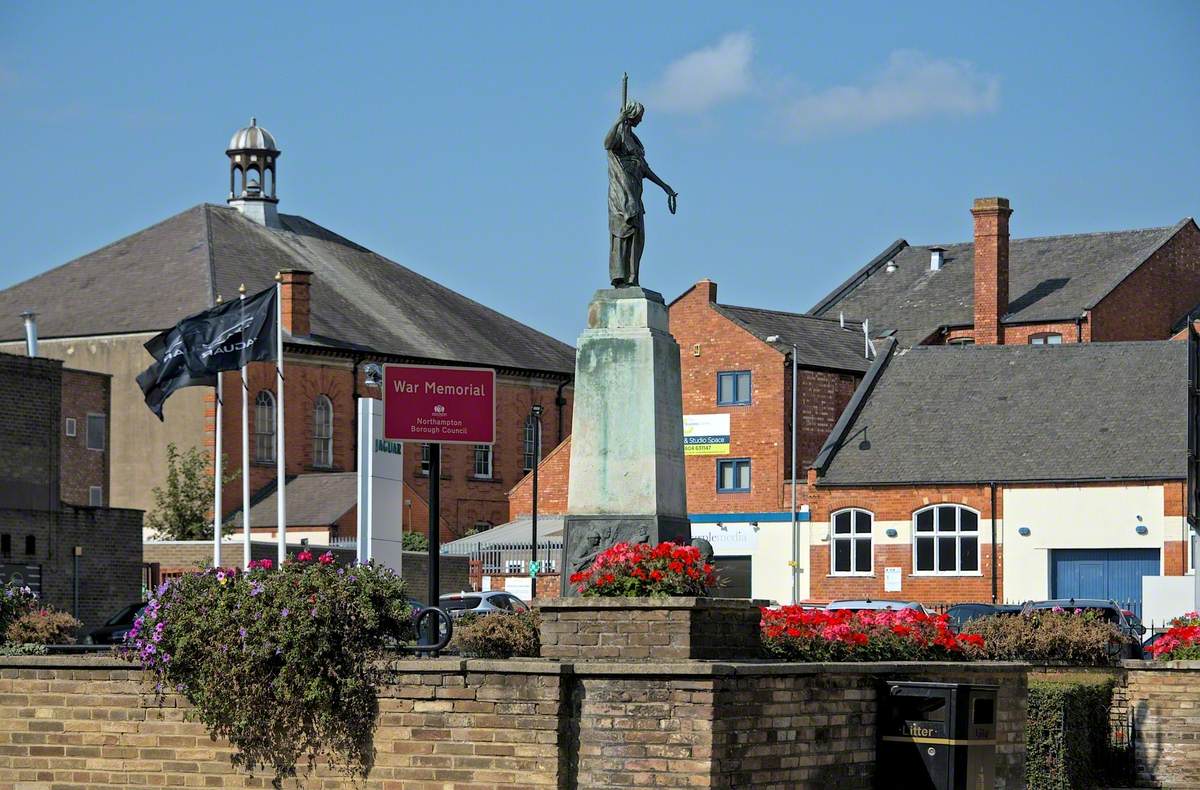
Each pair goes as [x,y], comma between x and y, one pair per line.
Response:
[439,404]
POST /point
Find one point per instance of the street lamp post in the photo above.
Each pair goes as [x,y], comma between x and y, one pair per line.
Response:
[536,416]
[795,524]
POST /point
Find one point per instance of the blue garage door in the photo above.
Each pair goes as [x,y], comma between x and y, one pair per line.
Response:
[1111,574]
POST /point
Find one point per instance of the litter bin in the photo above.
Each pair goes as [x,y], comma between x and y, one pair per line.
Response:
[937,736]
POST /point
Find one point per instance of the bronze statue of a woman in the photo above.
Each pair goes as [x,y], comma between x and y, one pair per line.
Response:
[626,168]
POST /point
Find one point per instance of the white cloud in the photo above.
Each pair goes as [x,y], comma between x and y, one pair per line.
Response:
[702,79]
[911,85]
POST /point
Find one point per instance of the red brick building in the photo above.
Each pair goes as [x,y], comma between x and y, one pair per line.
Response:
[1120,285]
[344,308]
[965,475]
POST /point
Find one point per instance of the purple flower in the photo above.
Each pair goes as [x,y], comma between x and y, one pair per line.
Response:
[242,632]
[1058,610]
[1077,610]
[313,613]
[284,611]
[255,589]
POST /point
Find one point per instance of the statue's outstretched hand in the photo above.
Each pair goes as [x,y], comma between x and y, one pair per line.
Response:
[671,201]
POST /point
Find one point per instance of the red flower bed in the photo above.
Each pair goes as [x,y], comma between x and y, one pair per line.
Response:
[800,634]
[633,570]
[1181,642]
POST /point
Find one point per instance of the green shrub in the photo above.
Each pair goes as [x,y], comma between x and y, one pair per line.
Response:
[1066,734]
[15,649]
[1084,639]
[43,626]
[284,664]
[499,635]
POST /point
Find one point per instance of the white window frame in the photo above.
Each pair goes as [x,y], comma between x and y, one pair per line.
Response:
[102,438]
[70,428]
[95,496]
[957,534]
[323,432]
[264,407]
[486,474]
[1045,339]
[852,538]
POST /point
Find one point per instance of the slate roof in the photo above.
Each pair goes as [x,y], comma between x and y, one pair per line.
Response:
[514,533]
[1090,411]
[150,280]
[820,342]
[314,499]
[1052,278]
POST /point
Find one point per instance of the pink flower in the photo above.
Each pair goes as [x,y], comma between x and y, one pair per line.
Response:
[304,556]
[326,558]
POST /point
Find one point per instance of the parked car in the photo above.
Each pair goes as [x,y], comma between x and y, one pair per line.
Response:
[116,628]
[1131,626]
[962,613]
[489,602]
[868,605]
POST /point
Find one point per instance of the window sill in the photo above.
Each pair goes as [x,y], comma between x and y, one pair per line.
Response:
[477,479]
[262,463]
[733,491]
[836,575]
[731,405]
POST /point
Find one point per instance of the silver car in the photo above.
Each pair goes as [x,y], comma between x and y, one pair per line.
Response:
[866,605]
[490,602]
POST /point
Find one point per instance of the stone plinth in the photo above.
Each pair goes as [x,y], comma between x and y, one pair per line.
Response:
[627,479]
[650,629]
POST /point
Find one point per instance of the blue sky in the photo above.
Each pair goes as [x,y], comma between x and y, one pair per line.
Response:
[464,139]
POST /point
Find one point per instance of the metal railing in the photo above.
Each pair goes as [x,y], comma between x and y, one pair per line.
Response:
[510,558]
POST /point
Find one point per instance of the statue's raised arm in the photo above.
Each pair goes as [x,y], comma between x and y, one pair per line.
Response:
[627,167]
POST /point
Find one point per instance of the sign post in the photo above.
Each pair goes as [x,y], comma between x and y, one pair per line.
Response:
[438,405]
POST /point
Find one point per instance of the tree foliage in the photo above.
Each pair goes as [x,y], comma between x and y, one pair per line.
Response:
[283,663]
[183,504]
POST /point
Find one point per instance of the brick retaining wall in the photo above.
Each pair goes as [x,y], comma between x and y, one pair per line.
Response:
[75,722]
[1165,699]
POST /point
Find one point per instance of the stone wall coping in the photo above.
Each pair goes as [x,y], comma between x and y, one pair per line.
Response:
[538,666]
[67,661]
[1160,666]
[559,604]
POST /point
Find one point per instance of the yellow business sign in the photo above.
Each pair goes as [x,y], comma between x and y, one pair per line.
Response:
[706,434]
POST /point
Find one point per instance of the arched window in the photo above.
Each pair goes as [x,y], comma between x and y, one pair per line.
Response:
[323,432]
[1045,339]
[946,540]
[851,539]
[264,427]
[531,449]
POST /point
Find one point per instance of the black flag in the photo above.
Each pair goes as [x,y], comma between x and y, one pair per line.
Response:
[201,345]
[169,371]
[230,335]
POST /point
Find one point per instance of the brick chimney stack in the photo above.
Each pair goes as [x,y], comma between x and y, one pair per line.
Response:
[709,288]
[991,268]
[294,291]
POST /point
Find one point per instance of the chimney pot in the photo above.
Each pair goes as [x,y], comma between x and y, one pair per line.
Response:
[31,336]
[294,293]
[991,268]
[936,258]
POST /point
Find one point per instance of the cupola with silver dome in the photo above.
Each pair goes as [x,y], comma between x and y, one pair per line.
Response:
[253,155]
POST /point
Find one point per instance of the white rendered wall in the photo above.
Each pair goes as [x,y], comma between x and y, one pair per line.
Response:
[1075,518]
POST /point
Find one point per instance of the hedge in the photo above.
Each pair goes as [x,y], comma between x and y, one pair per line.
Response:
[1066,734]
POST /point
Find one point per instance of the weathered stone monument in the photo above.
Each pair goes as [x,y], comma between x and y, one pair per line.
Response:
[627,480]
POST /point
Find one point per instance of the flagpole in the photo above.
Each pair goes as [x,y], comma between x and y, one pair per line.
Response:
[245,445]
[217,477]
[280,467]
